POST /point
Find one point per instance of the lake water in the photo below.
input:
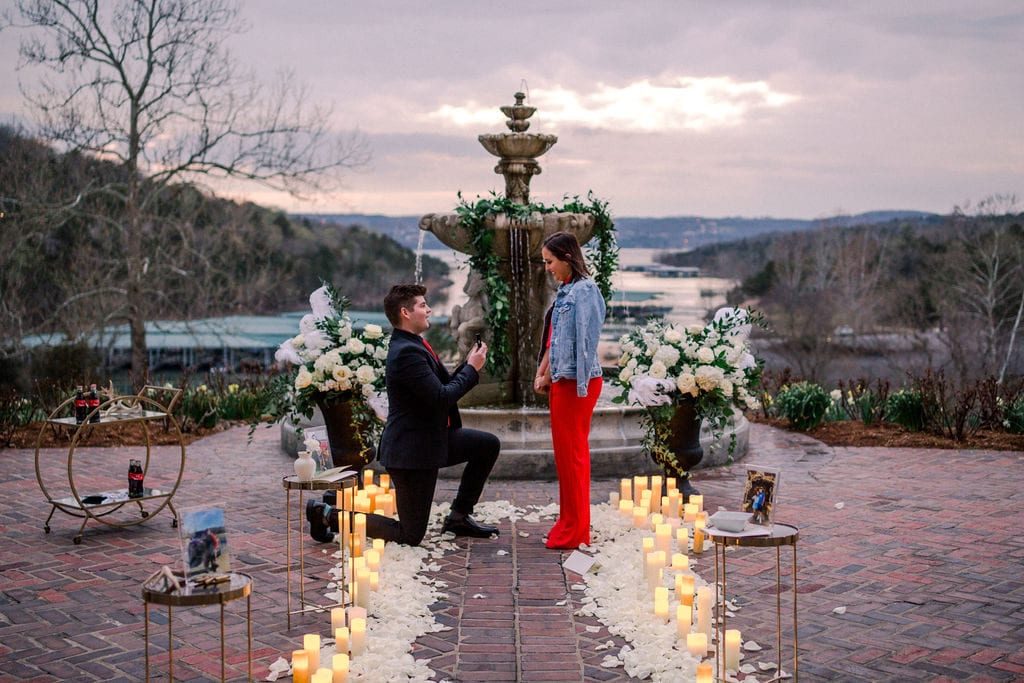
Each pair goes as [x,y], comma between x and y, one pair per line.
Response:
[689,298]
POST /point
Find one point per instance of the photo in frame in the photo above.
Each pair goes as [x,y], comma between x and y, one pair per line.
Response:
[204,542]
[759,494]
[322,456]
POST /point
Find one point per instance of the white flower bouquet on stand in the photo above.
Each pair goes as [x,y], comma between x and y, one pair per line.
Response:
[706,368]
[337,366]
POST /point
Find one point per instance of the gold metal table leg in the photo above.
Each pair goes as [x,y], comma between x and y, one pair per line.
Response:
[223,677]
[288,552]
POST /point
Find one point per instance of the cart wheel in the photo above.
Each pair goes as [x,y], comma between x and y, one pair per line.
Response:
[145,514]
[77,540]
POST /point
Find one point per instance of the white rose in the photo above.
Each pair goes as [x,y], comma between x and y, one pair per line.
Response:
[708,377]
[623,360]
[368,390]
[658,370]
[365,374]
[626,375]
[380,353]
[356,346]
[673,335]
[344,385]
[298,341]
[687,384]
[303,378]
[726,387]
[668,355]
[694,329]
[836,395]
[373,331]
[705,355]
[341,372]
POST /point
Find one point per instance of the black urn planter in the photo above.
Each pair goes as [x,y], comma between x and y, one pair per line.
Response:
[684,442]
[346,451]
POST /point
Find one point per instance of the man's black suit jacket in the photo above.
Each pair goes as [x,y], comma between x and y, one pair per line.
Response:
[422,404]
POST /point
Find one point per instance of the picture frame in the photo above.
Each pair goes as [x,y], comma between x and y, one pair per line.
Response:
[202,531]
[323,458]
[760,492]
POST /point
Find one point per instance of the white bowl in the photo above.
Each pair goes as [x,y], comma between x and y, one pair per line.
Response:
[729,520]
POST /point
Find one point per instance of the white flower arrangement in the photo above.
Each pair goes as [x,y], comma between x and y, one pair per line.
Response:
[335,360]
[663,364]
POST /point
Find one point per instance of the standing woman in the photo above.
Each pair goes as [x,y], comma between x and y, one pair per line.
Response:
[570,372]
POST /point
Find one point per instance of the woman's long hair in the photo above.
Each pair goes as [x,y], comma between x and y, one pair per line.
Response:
[564,247]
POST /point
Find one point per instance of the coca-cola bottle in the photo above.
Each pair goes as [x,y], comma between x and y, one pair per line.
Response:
[135,475]
[81,405]
[94,404]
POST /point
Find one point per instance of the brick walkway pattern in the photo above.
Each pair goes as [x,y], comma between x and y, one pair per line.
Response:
[924,549]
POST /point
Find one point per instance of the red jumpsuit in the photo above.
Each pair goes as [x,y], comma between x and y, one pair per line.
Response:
[570,432]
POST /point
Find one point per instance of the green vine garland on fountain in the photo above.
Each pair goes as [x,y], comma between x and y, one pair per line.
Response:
[602,257]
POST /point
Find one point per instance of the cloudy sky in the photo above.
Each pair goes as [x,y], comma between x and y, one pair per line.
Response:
[748,108]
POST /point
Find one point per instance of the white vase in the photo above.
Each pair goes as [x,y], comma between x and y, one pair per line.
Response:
[305,466]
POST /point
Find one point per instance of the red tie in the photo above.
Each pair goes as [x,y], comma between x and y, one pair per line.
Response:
[427,344]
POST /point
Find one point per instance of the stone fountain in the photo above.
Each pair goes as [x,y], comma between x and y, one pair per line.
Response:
[517,244]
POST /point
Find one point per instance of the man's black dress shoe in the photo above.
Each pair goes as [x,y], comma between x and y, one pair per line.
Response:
[464,525]
[319,526]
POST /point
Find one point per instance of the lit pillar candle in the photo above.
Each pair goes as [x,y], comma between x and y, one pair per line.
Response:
[626,509]
[357,546]
[339,668]
[697,500]
[367,478]
[337,618]
[378,545]
[300,666]
[689,512]
[651,568]
[666,507]
[697,644]
[645,499]
[656,519]
[385,481]
[341,639]
[670,484]
[656,484]
[698,536]
[639,517]
[704,611]
[639,485]
[311,644]
[372,560]
[705,674]
[732,649]
[683,539]
[374,581]
[363,587]
[357,637]
[673,503]
[613,498]
[625,490]
[655,498]
[352,613]
[663,538]
[322,675]
[661,604]
[684,588]
[680,562]
[684,621]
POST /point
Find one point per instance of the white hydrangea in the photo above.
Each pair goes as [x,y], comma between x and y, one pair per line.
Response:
[667,355]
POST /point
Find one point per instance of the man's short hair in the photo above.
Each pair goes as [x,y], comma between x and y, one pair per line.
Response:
[401,296]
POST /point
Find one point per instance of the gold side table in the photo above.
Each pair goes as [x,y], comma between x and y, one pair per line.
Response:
[238,586]
[780,535]
[292,483]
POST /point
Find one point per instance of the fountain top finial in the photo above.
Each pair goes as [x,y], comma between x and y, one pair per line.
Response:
[518,114]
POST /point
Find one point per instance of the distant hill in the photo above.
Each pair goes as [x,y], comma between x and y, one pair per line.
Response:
[676,232]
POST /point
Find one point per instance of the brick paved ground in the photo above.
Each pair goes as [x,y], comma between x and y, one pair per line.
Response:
[925,553]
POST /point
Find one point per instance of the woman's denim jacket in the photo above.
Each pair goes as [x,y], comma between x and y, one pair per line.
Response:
[576,318]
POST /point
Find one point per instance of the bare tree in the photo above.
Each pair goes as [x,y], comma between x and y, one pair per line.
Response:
[985,282]
[149,85]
